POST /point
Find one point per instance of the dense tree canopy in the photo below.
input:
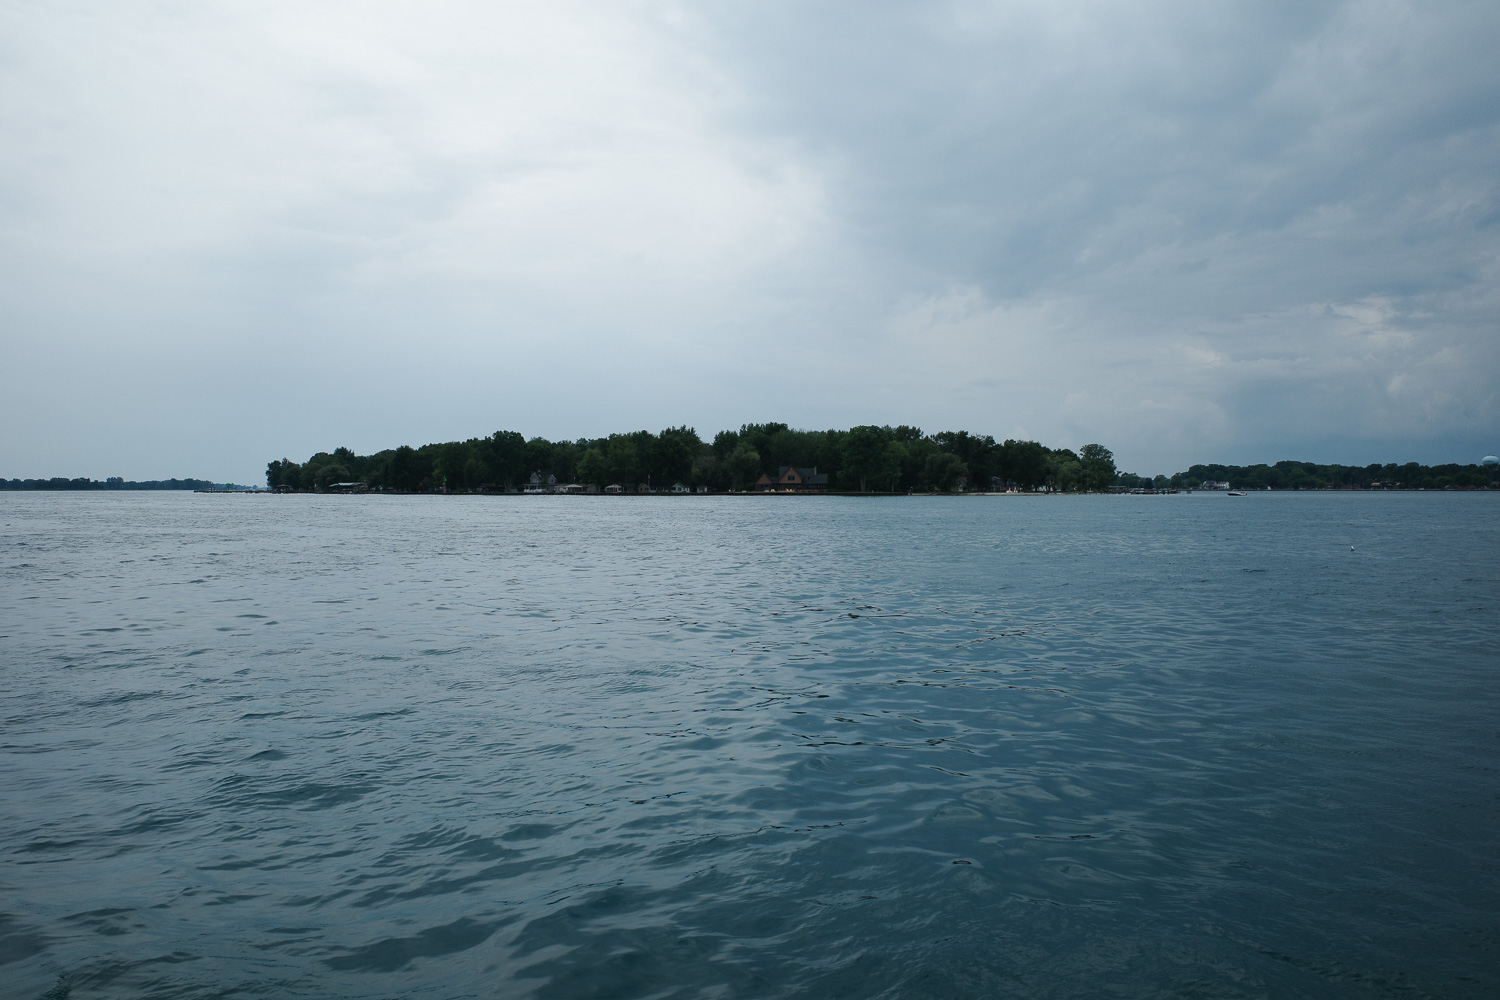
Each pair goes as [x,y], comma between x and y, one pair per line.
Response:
[1310,476]
[112,483]
[884,459]
[865,458]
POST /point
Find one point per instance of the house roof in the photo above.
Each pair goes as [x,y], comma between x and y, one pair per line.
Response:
[808,477]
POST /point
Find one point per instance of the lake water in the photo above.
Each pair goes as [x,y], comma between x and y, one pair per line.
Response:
[1175,746]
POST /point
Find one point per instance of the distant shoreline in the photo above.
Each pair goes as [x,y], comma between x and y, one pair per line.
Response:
[838,493]
[114,484]
[774,456]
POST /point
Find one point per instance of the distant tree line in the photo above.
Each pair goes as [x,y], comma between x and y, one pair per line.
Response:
[112,483]
[864,459]
[1310,476]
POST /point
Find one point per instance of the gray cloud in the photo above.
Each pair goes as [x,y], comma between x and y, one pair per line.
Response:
[1269,226]
[1233,231]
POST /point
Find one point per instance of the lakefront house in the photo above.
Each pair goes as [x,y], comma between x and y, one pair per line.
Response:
[794,480]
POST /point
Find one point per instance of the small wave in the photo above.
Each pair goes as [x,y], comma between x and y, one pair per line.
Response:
[395,953]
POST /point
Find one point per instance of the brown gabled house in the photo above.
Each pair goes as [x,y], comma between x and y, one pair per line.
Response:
[794,480]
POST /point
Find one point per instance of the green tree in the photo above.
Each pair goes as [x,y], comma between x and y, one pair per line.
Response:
[979,453]
[705,470]
[592,467]
[766,440]
[330,473]
[672,459]
[864,454]
[724,444]
[537,457]
[1022,463]
[742,467]
[623,459]
[449,464]
[893,468]
[1098,467]
[504,452]
[911,455]
[312,477]
[942,469]
[1064,471]
[406,470]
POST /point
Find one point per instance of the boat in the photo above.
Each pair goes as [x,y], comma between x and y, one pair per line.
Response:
[1236,493]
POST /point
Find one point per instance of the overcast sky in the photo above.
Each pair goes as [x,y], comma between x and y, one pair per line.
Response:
[1193,232]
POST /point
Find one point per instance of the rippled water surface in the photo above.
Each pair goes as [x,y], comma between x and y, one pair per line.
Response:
[1183,746]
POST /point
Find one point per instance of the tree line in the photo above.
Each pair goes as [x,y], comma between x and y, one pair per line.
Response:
[863,459]
[1311,476]
[112,483]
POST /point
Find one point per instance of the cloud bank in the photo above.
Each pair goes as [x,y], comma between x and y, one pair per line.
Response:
[1232,232]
